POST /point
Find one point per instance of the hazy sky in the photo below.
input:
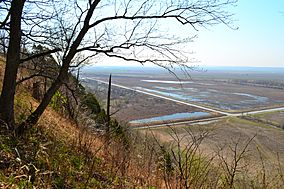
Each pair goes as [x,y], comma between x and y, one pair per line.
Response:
[259,41]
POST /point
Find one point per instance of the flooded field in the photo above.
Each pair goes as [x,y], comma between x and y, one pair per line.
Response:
[222,94]
[176,116]
[219,95]
[138,108]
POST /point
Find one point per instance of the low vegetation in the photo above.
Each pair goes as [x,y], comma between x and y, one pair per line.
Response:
[70,148]
[56,134]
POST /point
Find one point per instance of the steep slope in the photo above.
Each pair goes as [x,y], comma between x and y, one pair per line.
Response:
[56,153]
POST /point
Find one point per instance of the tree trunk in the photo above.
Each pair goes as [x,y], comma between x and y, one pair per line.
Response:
[34,117]
[62,77]
[36,92]
[12,64]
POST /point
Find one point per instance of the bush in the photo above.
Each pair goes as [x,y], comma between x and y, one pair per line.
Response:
[91,103]
[58,101]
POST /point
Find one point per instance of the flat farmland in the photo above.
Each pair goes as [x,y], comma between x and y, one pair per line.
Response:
[267,143]
[150,95]
[140,96]
[248,115]
[213,93]
[276,117]
[128,105]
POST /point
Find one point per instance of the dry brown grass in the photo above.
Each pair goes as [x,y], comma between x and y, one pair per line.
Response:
[154,159]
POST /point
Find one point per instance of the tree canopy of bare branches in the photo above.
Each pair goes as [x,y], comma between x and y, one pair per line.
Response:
[143,31]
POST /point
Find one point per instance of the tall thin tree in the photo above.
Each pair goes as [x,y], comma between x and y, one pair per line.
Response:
[108,103]
[12,63]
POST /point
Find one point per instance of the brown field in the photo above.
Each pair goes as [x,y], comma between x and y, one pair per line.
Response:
[274,117]
[212,93]
[216,93]
[267,144]
[130,105]
[265,152]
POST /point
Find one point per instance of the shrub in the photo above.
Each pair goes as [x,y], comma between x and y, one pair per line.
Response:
[91,103]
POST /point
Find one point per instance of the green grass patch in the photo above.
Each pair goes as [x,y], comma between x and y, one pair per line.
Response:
[46,160]
[236,120]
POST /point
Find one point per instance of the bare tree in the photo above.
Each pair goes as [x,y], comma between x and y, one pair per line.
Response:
[12,63]
[3,42]
[5,13]
[143,31]
[234,165]
[14,19]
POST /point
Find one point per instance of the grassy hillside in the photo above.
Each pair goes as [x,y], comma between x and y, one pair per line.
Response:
[72,152]
[51,155]
[64,151]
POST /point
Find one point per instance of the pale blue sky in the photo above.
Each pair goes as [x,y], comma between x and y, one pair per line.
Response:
[259,41]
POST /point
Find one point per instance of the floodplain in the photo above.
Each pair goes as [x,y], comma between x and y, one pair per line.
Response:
[236,109]
[147,94]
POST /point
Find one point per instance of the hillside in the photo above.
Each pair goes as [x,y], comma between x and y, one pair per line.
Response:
[54,154]
[75,151]
[62,151]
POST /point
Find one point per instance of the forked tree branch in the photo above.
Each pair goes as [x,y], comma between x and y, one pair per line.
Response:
[40,54]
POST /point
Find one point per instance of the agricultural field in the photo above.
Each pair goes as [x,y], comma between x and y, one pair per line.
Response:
[221,95]
[238,115]
[266,145]
[128,105]
[240,92]
[275,118]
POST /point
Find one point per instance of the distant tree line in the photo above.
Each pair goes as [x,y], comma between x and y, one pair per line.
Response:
[259,83]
